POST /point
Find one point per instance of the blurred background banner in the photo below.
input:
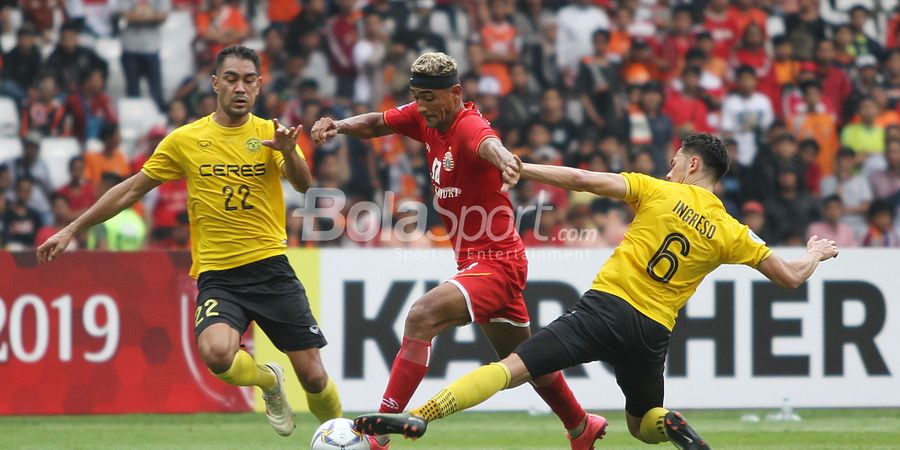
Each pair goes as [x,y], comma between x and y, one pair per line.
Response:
[103,333]
[76,337]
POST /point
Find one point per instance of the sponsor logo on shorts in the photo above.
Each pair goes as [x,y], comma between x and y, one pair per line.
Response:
[314,329]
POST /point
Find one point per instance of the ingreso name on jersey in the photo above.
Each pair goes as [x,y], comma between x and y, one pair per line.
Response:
[235,202]
[680,234]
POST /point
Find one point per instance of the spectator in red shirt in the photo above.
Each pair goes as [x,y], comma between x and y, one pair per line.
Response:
[721,26]
[78,192]
[751,51]
[836,85]
[163,205]
[680,38]
[341,35]
[685,106]
[90,109]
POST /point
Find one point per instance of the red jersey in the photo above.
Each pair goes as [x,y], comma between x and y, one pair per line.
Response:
[478,217]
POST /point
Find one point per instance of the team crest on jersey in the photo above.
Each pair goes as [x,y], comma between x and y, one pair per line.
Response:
[427,148]
[253,144]
[204,143]
[448,161]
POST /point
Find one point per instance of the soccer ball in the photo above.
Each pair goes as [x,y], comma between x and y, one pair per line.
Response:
[338,434]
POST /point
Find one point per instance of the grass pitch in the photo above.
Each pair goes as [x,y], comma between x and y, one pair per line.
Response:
[836,429]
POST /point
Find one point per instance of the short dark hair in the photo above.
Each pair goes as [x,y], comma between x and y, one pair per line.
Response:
[745,69]
[783,137]
[832,198]
[710,149]
[598,32]
[75,159]
[237,51]
[845,152]
[58,196]
[70,25]
[810,84]
[881,206]
[108,130]
[809,143]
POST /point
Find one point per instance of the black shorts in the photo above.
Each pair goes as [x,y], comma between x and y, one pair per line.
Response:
[266,291]
[603,327]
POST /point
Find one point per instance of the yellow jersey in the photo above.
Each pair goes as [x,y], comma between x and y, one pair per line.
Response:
[235,202]
[680,233]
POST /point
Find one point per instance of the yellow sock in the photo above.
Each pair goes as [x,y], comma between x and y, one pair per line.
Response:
[466,392]
[245,372]
[326,404]
[653,430]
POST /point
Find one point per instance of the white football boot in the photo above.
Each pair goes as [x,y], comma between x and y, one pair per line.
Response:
[278,410]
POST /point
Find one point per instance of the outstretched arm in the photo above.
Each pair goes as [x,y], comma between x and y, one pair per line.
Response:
[363,126]
[493,151]
[114,200]
[791,274]
[600,183]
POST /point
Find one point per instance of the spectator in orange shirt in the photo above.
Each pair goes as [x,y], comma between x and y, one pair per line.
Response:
[501,45]
[783,71]
[282,12]
[220,25]
[641,65]
[743,13]
[111,159]
[817,124]
[620,36]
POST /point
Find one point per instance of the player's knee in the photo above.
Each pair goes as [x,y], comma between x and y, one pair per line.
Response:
[421,323]
[218,356]
[313,378]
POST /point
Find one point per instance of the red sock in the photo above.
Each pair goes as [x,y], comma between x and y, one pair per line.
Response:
[561,400]
[407,372]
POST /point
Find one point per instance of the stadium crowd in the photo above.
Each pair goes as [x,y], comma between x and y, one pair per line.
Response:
[805,92]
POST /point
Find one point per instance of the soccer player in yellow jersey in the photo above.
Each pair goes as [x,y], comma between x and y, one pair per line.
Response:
[680,233]
[233,163]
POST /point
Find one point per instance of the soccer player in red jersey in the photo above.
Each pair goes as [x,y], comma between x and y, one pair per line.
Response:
[470,173]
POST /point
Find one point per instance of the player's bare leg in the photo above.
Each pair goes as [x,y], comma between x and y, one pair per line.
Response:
[661,425]
[321,392]
[440,308]
[583,429]
[219,348]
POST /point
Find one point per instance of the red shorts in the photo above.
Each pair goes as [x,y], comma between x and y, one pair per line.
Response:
[493,290]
